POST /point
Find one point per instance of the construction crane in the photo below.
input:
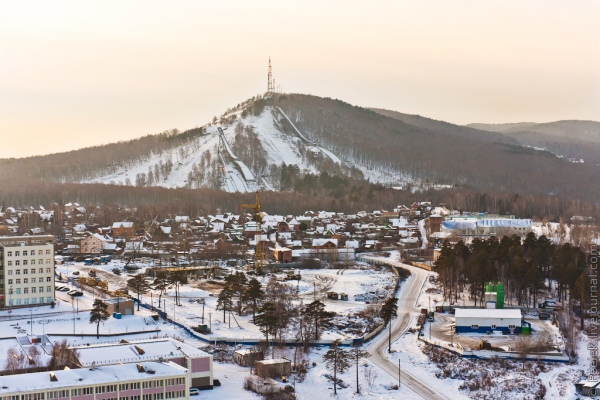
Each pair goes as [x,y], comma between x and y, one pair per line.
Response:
[259,257]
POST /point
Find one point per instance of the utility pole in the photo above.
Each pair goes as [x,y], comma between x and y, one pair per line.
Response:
[210,321]
[203,303]
[399,373]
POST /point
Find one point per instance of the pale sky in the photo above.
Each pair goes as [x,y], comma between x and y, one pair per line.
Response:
[82,73]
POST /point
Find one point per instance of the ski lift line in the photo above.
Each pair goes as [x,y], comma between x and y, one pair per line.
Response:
[294,126]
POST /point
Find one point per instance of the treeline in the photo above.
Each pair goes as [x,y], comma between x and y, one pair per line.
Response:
[523,266]
[311,192]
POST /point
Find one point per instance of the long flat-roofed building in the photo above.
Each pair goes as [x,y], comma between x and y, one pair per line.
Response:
[142,381]
[198,362]
[26,270]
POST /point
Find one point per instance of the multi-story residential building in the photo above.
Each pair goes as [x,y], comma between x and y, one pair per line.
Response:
[143,381]
[26,270]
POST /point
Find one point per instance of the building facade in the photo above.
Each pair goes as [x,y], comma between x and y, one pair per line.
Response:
[26,270]
[143,381]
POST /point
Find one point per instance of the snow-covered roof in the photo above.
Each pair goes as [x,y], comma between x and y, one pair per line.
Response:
[86,376]
[127,353]
[321,242]
[125,224]
[487,313]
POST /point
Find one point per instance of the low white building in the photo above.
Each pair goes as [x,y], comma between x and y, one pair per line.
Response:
[482,320]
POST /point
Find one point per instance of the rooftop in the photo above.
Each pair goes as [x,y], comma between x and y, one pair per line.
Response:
[85,376]
[487,313]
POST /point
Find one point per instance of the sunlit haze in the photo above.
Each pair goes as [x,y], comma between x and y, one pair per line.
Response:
[77,74]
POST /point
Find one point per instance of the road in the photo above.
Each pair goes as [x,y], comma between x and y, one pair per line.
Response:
[406,309]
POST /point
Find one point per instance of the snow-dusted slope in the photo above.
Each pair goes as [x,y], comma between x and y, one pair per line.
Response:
[199,163]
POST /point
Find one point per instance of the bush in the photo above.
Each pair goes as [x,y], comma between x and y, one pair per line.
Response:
[116,271]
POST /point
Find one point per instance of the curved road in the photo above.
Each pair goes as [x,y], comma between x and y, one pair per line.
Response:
[406,309]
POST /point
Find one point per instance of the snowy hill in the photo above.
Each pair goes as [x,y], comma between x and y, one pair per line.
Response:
[219,161]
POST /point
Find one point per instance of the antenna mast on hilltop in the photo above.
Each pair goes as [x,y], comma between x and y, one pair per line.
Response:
[270,84]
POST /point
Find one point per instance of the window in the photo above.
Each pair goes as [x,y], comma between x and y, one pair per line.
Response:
[474,326]
[123,386]
[48,279]
[48,299]
[25,263]
[88,391]
[25,280]
[32,280]
[39,396]
[181,381]
[10,271]
[32,263]
[51,395]
[147,397]
[10,302]
[63,393]
[169,382]
[10,281]
[47,251]
[159,396]
[26,301]
[18,292]
[158,383]
[48,270]
[48,289]
[511,327]
[75,392]
[40,261]
[169,395]
[24,252]
[9,254]
[10,264]
[135,397]
[26,397]
[40,252]
[146,384]
[18,281]
[100,389]
[25,290]
[33,300]
[17,254]
[494,326]
[17,262]
[124,398]
[135,385]
[111,388]
[33,289]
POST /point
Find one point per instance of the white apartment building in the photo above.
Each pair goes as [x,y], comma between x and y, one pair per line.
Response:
[143,381]
[26,270]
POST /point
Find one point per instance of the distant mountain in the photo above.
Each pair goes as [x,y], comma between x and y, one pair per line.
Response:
[278,143]
[577,140]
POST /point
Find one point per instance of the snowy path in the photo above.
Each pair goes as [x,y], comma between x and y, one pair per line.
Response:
[406,309]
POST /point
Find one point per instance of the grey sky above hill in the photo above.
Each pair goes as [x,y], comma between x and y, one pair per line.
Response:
[76,74]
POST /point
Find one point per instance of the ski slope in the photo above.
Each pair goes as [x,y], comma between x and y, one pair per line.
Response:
[202,154]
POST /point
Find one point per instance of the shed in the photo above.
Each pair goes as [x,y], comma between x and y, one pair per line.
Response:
[277,367]
[247,357]
[483,320]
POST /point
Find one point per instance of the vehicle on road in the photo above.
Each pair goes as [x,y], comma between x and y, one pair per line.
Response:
[194,392]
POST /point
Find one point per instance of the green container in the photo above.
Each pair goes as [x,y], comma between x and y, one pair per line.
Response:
[525,330]
[490,288]
[500,296]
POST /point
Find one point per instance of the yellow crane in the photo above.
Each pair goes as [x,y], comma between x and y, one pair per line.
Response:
[259,257]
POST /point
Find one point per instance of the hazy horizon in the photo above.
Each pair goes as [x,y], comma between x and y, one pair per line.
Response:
[78,74]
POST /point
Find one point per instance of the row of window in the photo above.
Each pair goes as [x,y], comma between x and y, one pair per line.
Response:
[474,326]
[28,262]
[61,394]
[33,280]
[40,289]
[31,252]
[26,271]
[34,300]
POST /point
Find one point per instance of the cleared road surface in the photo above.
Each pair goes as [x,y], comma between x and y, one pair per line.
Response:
[406,308]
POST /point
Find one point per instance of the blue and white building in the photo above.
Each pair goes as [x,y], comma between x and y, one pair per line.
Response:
[482,320]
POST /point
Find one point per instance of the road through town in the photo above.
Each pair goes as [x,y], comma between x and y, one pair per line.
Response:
[407,308]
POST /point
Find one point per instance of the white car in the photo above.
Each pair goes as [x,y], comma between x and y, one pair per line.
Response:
[194,392]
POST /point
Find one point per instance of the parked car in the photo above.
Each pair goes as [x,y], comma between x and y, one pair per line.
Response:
[194,392]
[75,293]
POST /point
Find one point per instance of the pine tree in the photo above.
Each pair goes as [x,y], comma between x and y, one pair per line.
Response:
[389,310]
[98,314]
[337,360]
[266,319]
[161,283]
[254,294]
[224,301]
[139,286]
[320,318]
